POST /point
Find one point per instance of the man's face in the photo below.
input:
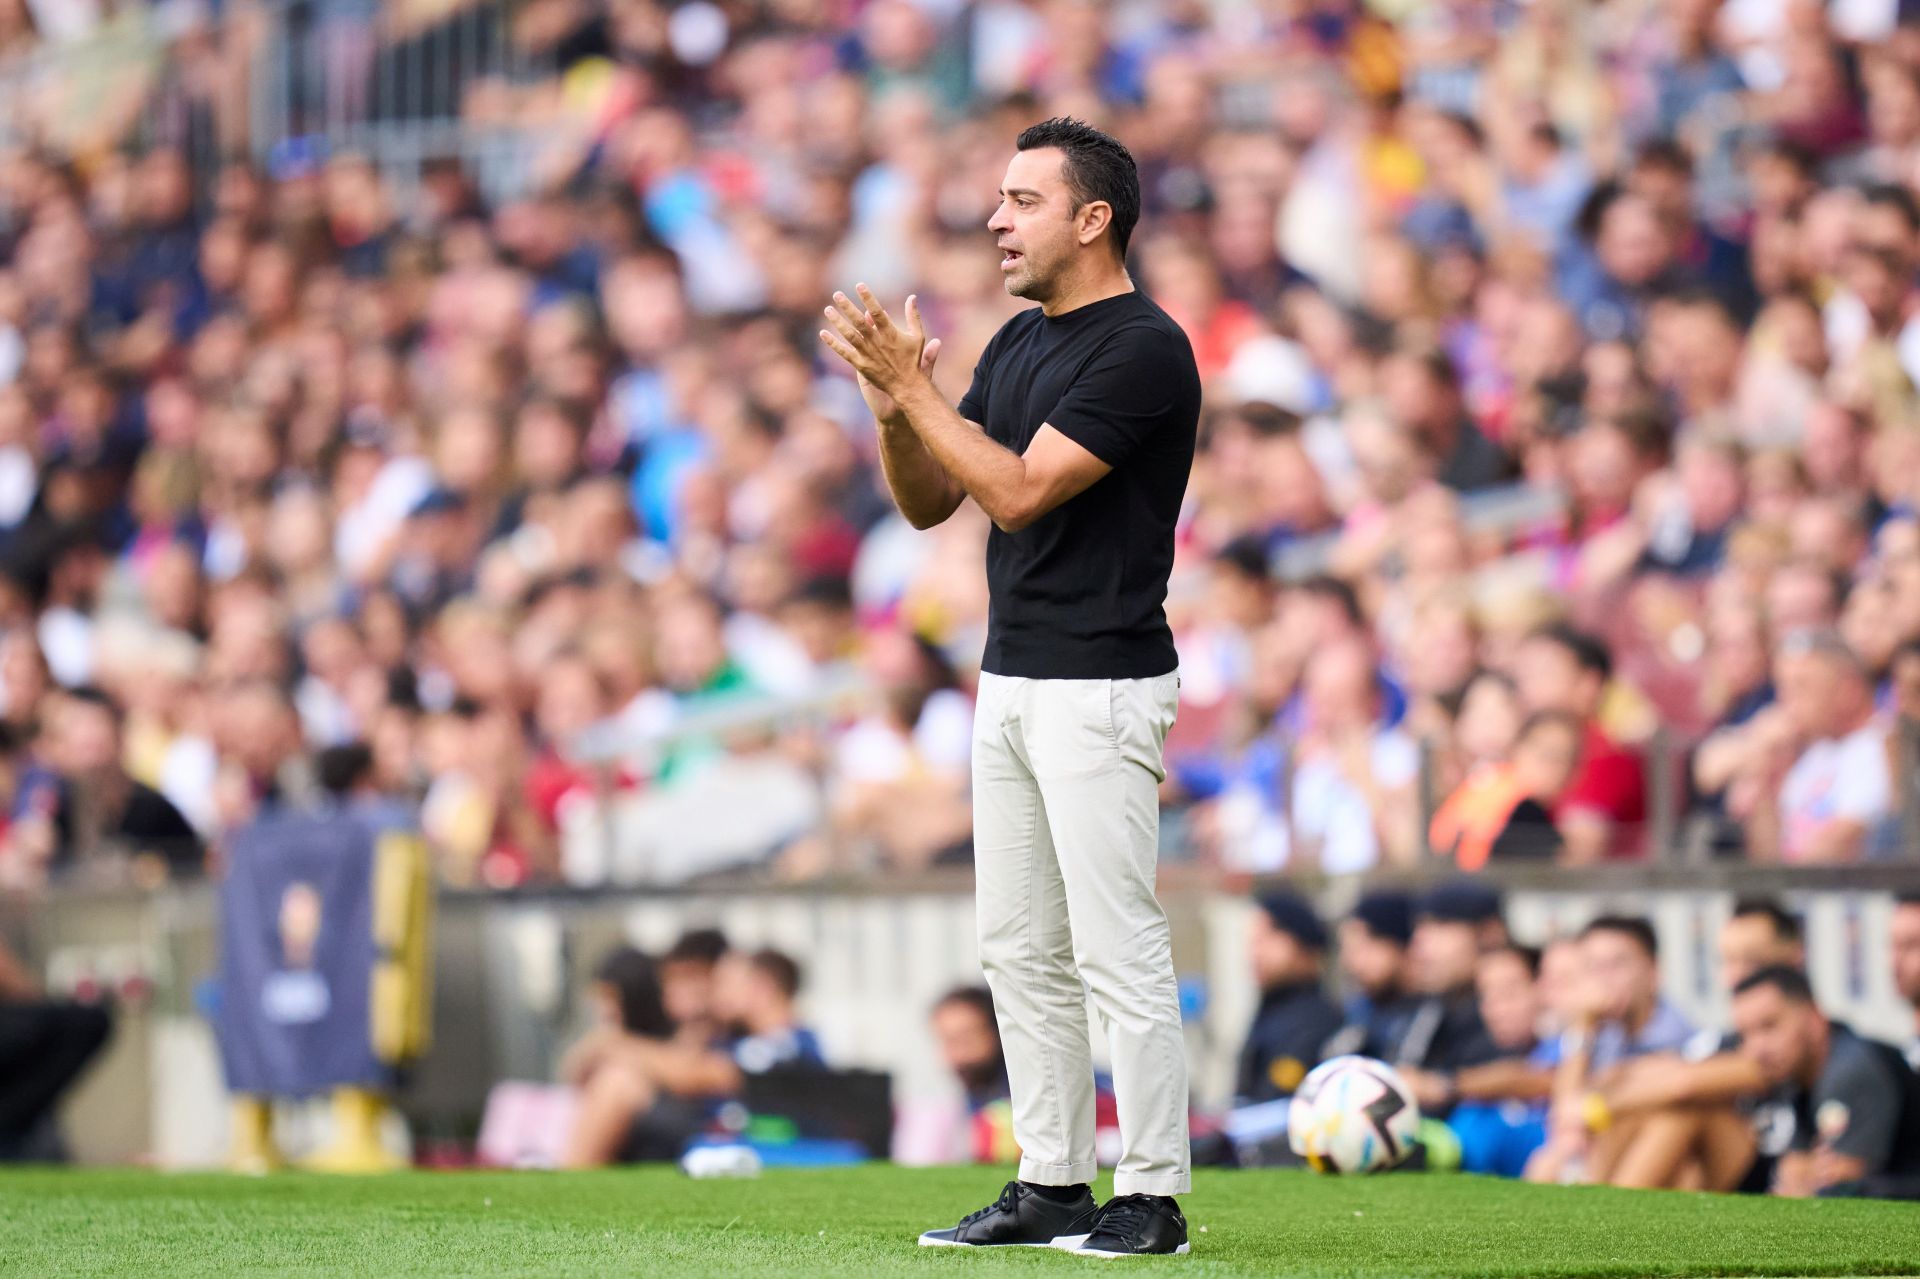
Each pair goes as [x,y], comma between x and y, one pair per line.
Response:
[1443,955]
[1549,679]
[686,988]
[89,739]
[1037,223]
[1775,1032]
[1623,975]
[1509,1002]
[1749,943]
[966,1039]
[1275,955]
[1906,953]
[1371,963]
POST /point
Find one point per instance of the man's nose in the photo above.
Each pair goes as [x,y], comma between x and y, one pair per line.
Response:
[998,222]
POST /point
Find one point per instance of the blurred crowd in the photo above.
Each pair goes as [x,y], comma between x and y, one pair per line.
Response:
[1555,497]
[1566,1063]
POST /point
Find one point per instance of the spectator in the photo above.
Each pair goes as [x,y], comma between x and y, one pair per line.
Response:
[1373,961]
[968,1038]
[1439,1028]
[1295,1018]
[82,817]
[1696,1117]
[647,1094]
[1906,965]
[1819,784]
[1601,812]
[45,1046]
[1507,812]
[1854,1102]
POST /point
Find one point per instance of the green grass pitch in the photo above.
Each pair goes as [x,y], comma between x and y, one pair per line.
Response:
[839,1223]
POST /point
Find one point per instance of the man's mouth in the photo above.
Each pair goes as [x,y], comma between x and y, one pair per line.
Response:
[1009,257]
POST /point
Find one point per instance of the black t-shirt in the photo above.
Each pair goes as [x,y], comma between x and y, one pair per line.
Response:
[1866,1103]
[1077,594]
[1284,1043]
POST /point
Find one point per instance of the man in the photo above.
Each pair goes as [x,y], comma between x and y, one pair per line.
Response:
[1287,946]
[649,1094]
[1618,1016]
[1855,1106]
[1075,438]
[1373,964]
[85,818]
[1825,783]
[1906,964]
[1443,1033]
[969,1041]
[1696,1117]
[1600,812]
[45,1045]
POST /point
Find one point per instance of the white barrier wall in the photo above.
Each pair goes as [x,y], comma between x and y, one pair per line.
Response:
[509,971]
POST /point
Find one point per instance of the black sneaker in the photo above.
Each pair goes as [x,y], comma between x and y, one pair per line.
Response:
[1019,1218]
[1135,1226]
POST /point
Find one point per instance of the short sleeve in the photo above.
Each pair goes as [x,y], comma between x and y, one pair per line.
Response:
[1127,390]
[1863,791]
[973,405]
[1858,1110]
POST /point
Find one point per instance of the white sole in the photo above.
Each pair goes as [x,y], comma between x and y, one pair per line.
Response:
[928,1241]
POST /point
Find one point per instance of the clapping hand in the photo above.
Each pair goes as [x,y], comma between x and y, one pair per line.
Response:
[884,355]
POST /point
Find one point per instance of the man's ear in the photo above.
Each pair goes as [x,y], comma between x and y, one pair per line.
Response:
[1093,218]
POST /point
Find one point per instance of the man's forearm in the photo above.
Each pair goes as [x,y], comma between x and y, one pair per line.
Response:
[921,487]
[988,472]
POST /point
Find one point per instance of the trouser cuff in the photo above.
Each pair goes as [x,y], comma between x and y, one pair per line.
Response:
[1073,1174]
[1164,1183]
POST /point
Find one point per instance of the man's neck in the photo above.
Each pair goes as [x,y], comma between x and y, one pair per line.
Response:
[1098,285]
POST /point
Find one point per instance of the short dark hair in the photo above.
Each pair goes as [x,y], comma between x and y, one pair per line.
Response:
[1339,591]
[1529,956]
[697,946]
[1907,899]
[1893,196]
[1786,925]
[341,768]
[635,980]
[1549,719]
[1627,926]
[1790,982]
[779,968]
[1096,167]
[1664,154]
[978,998]
[1587,650]
[93,695]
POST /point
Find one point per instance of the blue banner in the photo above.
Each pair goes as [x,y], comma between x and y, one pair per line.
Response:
[297,956]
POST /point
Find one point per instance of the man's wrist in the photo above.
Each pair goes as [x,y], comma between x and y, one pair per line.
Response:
[913,397]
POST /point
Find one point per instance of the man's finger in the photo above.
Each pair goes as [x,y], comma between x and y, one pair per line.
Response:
[913,314]
[928,354]
[848,328]
[881,320]
[841,349]
[846,307]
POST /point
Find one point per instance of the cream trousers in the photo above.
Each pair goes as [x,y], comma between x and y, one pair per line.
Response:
[1066,823]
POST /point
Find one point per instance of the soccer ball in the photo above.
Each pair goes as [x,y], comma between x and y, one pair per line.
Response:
[1352,1114]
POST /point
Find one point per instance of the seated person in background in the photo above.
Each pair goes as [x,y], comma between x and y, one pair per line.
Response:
[1499,1109]
[686,985]
[1295,1019]
[1619,1016]
[647,1095]
[1855,1106]
[1817,784]
[44,1046]
[968,1036]
[1373,965]
[1663,1118]
[1906,965]
[83,817]
[1506,812]
[1442,1031]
